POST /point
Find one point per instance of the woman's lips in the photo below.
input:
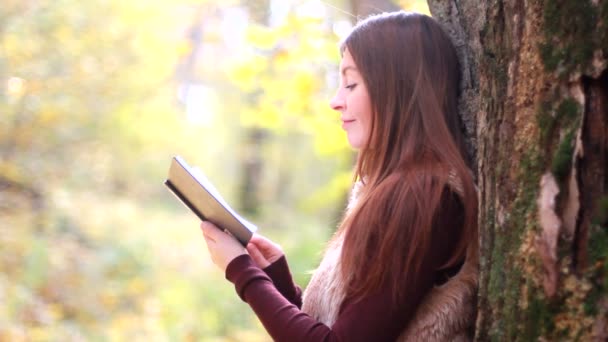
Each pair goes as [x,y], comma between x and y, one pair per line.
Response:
[346,122]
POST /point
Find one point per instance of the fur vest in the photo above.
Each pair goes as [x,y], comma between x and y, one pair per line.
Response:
[447,313]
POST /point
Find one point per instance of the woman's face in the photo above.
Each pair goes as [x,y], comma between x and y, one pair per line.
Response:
[352,101]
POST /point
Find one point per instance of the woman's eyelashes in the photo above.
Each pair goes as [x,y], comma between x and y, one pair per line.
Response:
[350,86]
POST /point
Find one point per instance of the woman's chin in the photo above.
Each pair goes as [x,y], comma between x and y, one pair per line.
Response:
[355,143]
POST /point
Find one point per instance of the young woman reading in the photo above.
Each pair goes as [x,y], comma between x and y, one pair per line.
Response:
[402,264]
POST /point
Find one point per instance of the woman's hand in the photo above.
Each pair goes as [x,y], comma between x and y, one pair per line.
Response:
[223,247]
[263,251]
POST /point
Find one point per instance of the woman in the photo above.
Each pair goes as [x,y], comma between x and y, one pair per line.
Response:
[402,265]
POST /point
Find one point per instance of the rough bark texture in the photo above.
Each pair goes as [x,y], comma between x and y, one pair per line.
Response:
[535,103]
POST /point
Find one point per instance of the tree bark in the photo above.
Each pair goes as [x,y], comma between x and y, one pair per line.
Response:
[535,103]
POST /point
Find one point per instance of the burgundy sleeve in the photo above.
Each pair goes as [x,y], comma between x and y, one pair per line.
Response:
[283,320]
[373,318]
[280,275]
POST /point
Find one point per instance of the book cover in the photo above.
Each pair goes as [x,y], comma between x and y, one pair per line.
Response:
[197,193]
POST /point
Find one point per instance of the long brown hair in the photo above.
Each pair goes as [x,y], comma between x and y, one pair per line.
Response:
[415,152]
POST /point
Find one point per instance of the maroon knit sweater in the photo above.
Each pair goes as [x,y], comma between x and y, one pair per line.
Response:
[276,300]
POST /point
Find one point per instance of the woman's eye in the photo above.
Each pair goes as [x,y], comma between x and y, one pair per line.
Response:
[351,86]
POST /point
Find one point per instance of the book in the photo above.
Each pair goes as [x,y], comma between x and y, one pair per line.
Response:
[196,192]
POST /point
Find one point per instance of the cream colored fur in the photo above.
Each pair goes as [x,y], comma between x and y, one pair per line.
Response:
[446,313]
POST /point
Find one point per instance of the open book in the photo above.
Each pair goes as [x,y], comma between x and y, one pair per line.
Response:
[194,190]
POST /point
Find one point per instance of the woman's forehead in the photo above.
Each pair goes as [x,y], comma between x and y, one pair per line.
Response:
[347,63]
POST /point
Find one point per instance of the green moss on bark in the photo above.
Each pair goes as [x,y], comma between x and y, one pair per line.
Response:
[566,115]
[567,110]
[545,122]
[565,119]
[569,34]
[504,292]
[539,318]
[598,257]
[600,216]
[562,160]
[598,245]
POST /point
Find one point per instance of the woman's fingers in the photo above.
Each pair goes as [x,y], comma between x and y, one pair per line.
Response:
[257,256]
[264,244]
[223,248]
[210,231]
[261,241]
[268,249]
[253,251]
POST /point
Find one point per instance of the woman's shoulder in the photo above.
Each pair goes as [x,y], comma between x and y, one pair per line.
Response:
[418,189]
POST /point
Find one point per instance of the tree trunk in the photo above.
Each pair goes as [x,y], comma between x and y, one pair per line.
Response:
[535,103]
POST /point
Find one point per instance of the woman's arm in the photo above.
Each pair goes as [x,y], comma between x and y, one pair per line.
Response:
[280,275]
[375,317]
[269,257]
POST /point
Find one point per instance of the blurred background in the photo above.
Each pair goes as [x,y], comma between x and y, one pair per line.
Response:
[97,96]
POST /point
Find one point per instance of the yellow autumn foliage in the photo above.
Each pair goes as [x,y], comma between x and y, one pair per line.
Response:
[96,97]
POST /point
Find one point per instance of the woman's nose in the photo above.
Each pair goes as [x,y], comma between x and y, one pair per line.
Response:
[337,103]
